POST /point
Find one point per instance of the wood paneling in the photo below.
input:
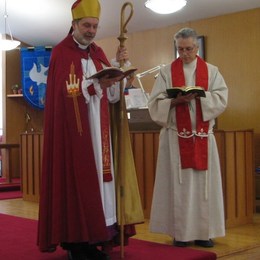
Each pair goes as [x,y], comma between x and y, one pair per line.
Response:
[145,147]
[6,164]
[238,176]
[31,164]
[257,149]
[236,160]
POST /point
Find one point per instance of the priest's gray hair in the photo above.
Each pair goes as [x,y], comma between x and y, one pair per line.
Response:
[185,33]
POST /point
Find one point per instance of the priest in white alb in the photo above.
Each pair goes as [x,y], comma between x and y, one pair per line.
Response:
[188,199]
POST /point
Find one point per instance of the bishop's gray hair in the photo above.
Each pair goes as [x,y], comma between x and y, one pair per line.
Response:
[186,33]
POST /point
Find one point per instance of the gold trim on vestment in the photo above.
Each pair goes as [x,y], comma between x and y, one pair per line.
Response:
[73,92]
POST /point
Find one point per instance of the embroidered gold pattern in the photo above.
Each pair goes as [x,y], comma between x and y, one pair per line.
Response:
[106,151]
[73,92]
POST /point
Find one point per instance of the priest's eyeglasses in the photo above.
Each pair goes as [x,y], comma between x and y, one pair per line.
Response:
[187,49]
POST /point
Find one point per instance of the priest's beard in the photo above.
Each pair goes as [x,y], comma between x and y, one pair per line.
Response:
[83,39]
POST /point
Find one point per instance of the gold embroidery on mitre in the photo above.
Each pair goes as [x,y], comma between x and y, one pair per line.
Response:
[85,8]
[73,92]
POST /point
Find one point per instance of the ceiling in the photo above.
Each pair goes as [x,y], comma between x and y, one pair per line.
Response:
[46,22]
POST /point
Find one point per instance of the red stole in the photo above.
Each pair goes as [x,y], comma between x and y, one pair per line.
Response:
[105,120]
[193,146]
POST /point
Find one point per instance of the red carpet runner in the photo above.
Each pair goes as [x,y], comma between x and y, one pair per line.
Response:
[6,195]
[18,236]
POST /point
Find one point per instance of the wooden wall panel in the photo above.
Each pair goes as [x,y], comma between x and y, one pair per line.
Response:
[145,147]
[236,160]
[239,177]
[31,162]
[230,199]
[250,177]
[257,149]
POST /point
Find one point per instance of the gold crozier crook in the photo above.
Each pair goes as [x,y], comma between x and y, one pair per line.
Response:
[122,38]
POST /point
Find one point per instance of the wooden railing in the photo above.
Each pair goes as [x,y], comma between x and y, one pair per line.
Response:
[236,150]
[236,159]
[7,166]
[31,163]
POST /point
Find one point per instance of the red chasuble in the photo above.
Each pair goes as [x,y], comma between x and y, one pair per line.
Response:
[70,202]
[193,146]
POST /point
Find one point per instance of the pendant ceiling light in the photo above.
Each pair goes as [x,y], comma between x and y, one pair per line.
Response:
[8,44]
[165,6]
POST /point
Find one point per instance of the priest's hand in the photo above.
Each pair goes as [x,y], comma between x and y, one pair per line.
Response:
[182,99]
[122,54]
[106,82]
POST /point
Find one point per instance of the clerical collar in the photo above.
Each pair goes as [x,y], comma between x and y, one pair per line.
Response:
[81,46]
[191,64]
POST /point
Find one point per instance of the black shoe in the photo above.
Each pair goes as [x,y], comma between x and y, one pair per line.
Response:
[204,243]
[77,255]
[180,243]
[94,254]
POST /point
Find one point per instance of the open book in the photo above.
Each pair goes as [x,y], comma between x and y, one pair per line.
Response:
[173,92]
[113,72]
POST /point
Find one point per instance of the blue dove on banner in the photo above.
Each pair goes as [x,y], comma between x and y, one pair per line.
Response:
[35,65]
[38,77]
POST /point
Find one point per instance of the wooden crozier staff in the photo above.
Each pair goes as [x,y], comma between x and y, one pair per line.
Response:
[123,130]
[129,205]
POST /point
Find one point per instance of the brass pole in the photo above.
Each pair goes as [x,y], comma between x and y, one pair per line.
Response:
[123,116]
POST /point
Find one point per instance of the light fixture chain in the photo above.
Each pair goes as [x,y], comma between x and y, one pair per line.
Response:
[6,44]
